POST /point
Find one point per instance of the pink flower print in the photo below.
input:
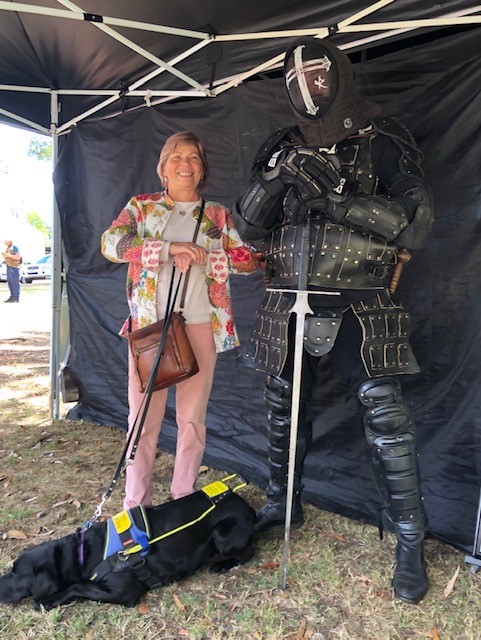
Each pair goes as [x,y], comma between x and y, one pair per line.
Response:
[218,295]
[240,254]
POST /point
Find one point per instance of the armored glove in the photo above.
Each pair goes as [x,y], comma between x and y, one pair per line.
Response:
[295,211]
[315,176]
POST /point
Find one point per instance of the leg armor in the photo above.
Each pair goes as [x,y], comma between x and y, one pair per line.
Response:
[390,432]
[277,395]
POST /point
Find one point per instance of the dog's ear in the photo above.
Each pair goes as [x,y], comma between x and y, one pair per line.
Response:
[13,589]
[16,584]
[44,584]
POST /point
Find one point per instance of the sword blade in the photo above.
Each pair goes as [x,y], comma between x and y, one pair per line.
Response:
[301,308]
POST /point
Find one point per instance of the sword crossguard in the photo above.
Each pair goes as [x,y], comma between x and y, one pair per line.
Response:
[301,305]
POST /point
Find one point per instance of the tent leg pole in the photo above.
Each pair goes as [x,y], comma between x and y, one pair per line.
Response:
[56,282]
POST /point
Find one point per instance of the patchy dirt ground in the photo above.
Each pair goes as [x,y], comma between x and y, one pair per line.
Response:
[52,475]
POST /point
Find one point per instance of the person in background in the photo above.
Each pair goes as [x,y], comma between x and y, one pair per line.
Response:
[335,204]
[13,260]
[153,234]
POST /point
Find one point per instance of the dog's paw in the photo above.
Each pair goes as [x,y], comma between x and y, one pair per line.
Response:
[44,605]
[223,566]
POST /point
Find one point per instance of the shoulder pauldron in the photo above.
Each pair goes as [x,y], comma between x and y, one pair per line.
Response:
[401,136]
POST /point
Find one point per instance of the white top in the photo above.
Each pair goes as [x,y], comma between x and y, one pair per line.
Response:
[181,228]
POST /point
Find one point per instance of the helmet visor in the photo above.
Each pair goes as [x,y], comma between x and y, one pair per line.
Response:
[311,78]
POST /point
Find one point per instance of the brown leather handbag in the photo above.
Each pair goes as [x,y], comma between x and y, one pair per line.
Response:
[176,360]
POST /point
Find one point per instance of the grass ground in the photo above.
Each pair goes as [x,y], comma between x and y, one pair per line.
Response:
[53,473]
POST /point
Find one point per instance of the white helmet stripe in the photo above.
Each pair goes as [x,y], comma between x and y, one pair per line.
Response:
[306,96]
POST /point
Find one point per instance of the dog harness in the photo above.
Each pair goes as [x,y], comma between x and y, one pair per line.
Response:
[126,530]
[128,538]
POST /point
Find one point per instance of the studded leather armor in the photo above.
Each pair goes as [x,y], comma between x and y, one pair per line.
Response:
[345,255]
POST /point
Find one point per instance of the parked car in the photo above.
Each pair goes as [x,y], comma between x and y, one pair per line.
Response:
[3,272]
[40,270]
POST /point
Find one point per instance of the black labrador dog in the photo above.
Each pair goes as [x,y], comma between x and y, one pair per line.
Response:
[164,543]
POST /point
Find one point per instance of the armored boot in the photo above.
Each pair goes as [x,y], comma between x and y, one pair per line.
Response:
[390,432]
[278,399]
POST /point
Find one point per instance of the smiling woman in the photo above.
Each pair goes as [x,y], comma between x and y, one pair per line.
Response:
[162,235]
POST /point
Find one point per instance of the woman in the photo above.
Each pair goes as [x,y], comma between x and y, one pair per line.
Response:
[153,233]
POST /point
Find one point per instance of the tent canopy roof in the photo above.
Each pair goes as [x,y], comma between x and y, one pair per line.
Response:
[106,56]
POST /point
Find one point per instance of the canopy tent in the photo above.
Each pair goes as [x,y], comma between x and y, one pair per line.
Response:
[119,101]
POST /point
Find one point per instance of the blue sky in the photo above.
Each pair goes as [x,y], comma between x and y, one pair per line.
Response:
[25,183]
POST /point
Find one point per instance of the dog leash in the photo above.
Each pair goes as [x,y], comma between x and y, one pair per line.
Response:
[136,431]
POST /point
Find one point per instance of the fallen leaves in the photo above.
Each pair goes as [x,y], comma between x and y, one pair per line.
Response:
[301,632]
[15,534]
[268,566]
[336,536]
[450,586]
[74,501]
[178,603]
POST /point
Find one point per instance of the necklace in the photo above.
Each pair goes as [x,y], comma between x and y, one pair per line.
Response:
[186,207]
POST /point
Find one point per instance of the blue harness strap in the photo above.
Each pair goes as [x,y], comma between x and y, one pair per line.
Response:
[127,529]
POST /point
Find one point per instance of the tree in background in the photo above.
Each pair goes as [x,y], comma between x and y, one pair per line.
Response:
[40,149]
[36,221]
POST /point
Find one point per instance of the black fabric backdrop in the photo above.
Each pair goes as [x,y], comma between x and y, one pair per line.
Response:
[434,89]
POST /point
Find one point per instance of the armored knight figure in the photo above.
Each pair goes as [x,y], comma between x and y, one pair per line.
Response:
[334,204]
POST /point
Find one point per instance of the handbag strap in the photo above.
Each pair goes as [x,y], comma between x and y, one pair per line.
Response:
[196,233]
[136,431]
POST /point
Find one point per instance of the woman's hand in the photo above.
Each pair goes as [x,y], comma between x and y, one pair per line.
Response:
[182,261]
[187,253]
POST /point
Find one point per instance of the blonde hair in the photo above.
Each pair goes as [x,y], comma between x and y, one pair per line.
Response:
[171,144]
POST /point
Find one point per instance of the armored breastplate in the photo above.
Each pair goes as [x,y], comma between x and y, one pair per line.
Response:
[325,254]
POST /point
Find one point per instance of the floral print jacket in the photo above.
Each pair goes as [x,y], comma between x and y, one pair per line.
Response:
[136,237]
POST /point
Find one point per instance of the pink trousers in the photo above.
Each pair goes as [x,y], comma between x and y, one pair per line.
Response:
[191,398]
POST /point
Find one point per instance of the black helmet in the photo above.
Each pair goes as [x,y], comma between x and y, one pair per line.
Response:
[319,79]
[312,78]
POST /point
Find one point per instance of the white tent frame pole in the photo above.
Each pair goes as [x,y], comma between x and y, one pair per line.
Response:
[20,7]
[14,116]
[25,89]
[299,33]
[56,282]
[365,12]
[104,92]
[140,50]
[411,24]
[133,86]
[452,19]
